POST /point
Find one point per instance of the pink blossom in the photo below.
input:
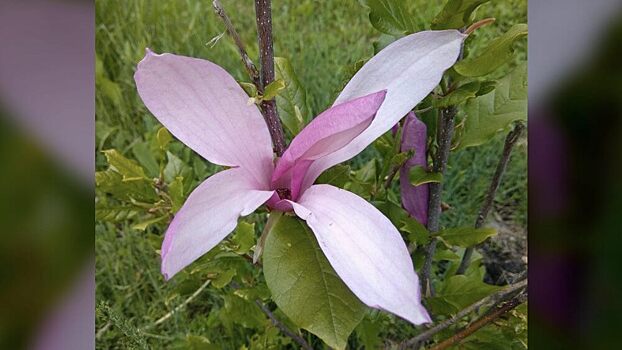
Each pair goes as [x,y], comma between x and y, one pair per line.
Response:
[205,108]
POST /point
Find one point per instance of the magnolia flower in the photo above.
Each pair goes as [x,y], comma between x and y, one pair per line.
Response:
[205,108]
[414,198]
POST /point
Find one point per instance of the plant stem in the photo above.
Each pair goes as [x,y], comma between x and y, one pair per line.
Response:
[298,339]
[481,322]
[444,136]
[510,141]
[500,296]
[263,16]
[248,63]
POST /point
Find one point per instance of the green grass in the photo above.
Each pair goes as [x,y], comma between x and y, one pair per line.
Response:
[320,39]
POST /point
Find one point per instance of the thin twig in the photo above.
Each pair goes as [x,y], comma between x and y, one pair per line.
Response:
[180,306]
[248,63]
[445,134]
[481,322]
[500,296]
[263,16]
[298,339]
[510,141]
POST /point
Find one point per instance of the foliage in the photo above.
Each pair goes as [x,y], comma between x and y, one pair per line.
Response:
[144,175]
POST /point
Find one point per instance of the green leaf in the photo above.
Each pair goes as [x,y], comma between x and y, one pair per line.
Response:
[141,226]
[458,292]
[223,278]
[305,286]
[110,181]
[417,232]
[368,332]
[163,137]
[273,89]
[175,167]
[244,237]
[458,96]
[243,312]
[292,101]
[466,236]
[337,176]
[456,14]
[419,176]
[127,168]
[367,173]
[486,87]
[250,89]
[146,158]
[497,53]
[115,213]
[176,192]
[390,16]
[486,115]
[393,211]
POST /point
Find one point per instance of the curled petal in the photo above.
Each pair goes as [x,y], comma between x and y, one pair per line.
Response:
[409,69]
[365,249]
[327,133]
[205,108]
[209,214]
[414,198]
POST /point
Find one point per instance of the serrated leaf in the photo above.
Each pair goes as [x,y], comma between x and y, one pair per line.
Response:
[337,176]
[164,137]
[127,168]
[292,98]
[115,213]
[305,286]
[390,16]
[497,53]
[110,181]
[458,96]
[273,89]
[243,237]
[486,115]
[466,236]
[458,292]
[419,176]
[456,14]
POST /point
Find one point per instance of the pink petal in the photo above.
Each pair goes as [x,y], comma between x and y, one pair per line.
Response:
[414,198]
[409,69]
[365,249]
[327,133]
[210,213]
[205,108]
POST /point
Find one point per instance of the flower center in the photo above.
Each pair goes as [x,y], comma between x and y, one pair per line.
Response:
[284,193]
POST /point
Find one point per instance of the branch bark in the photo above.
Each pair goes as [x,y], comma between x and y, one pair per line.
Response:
[444,136]
[510,141]
[263,16]
[248,63]
[481,322]
[500,296]
[297,338]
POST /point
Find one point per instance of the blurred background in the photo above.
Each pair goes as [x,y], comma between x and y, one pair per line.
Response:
[47,144]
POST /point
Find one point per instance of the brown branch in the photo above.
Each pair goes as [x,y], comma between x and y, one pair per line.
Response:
[297,338]
[248,63]
[263,16]
[445,134]
[500,296]
[481,322]
[510,141]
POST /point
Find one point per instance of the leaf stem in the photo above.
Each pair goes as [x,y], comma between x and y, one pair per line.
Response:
[297,338]
[498,297]
[263,16]
[445,133]
[510,141]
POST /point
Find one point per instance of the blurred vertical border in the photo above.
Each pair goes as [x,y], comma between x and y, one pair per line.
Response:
[575,174]
[46,180]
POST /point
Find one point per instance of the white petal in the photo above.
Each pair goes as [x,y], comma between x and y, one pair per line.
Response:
[365,249]
[209,214]
[409,69]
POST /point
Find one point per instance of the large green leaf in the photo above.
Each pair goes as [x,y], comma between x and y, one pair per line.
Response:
[127,168]
[305,286]
[488,114]
[110,181]
[497,53]
[466,236]
[458,96]
[390,16]
[458,292]
[456,14]
[292,100]
[337,176]
[419,176]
